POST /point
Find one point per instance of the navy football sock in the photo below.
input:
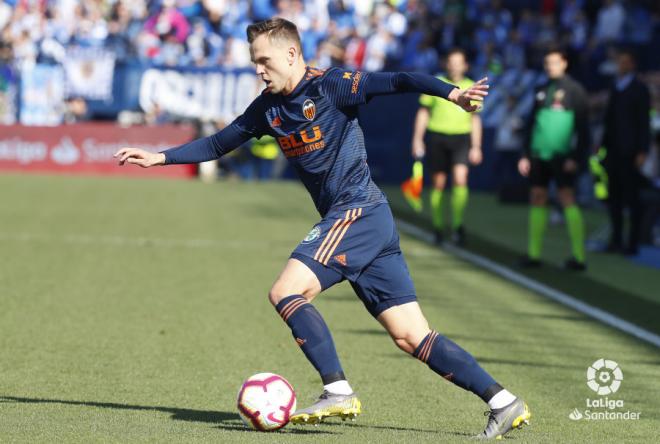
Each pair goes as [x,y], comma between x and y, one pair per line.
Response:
[454,364]
[312,335]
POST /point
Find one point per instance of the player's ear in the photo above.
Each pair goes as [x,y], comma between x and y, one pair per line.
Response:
[292,55]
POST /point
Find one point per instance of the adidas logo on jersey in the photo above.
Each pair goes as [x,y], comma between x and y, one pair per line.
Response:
[276,121]
[341,258]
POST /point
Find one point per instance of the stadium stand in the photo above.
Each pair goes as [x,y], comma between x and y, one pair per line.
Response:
[506,39]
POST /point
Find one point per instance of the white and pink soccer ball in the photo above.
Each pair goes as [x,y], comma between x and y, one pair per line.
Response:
[266,402]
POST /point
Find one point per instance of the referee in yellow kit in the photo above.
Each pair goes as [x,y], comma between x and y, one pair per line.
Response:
[453,139]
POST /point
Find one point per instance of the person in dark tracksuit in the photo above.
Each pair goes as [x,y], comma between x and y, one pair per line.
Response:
[557,139]
[627,139]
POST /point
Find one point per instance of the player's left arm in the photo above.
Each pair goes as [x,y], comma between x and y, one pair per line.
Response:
[348,88]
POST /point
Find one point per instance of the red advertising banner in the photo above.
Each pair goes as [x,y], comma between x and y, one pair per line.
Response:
[87,148]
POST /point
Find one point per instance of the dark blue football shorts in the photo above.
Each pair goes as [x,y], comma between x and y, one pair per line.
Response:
[360,245]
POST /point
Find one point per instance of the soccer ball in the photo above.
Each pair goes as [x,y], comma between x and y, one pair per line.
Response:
[266,402]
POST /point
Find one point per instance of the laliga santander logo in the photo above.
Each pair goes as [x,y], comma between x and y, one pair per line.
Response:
[604,377]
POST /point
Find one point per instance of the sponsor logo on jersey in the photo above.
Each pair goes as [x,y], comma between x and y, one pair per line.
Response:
[309,109]
[276,121]
[347,75]
[296,144]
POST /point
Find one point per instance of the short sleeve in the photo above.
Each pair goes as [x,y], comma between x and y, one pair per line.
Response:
[345,88]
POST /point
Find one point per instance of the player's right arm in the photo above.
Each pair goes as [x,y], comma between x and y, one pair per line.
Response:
[245,127]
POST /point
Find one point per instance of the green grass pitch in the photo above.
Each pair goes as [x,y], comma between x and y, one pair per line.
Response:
[131,311]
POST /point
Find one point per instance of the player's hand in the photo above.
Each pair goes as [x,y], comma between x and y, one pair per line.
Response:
[418,149]
[570,166]
[475,156]
[465,97]
[140,157]
[524,166]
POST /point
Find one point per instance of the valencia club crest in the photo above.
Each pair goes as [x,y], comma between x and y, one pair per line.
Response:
[309,109]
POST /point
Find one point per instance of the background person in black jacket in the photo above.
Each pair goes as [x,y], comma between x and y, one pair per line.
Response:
[627,140]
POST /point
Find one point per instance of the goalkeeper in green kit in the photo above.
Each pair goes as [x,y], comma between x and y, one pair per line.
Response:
[557,140]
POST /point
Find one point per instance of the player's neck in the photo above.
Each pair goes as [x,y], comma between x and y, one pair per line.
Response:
[456,78]
[295,78]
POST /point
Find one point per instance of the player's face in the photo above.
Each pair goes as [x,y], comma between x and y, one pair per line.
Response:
[273,62]
[555,65]
[456,65]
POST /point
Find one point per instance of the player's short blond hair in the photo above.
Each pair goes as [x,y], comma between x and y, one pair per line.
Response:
[276,29]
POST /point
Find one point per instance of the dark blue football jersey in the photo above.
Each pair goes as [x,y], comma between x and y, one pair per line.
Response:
[316,127]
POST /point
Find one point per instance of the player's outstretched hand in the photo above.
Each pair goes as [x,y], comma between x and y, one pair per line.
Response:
[475,93]
[140,157]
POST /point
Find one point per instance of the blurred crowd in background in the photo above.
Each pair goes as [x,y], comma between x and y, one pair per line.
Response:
[361,34]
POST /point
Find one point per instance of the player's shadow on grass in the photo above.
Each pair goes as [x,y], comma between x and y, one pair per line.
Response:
[395,428]
[224,420]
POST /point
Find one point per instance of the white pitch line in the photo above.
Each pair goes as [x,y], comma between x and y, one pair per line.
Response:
[531,284]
